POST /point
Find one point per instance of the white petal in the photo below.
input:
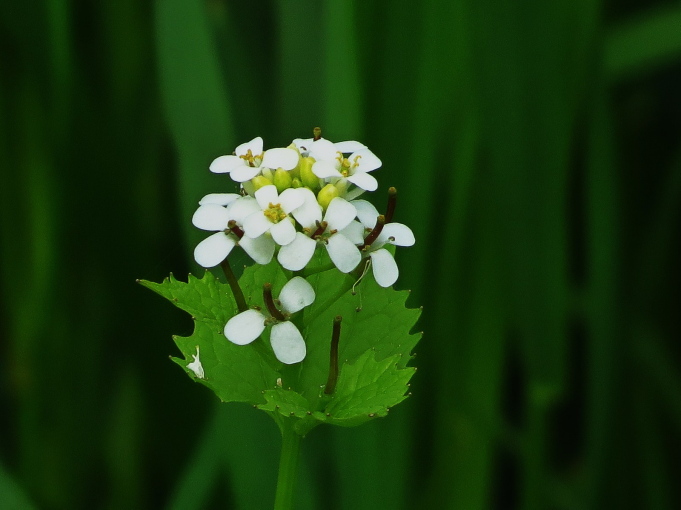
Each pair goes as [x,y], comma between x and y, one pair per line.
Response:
[255,146]
[242,329]
[401,235]
[349,146]
[324,169]
[260,249]
[242,208]
[385,267]
[219,198]
[368,161]
[196,366]
[303,144]
[323,150]
[354,232]
[291,199]
[225,164]
[366,212]
[310,212]
[353,193]
[267,195]
[296,294]
[280,158]
[244,173]
[295,255]
[214,249]
[211,217]
[344,254]
[256,224]
[363,180]
[287,343]
[339,214]
[283,232]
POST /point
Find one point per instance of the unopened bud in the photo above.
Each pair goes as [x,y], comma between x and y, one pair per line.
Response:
[268,174]
[342,186]
[296,183]
[326,194]
[309,179]
[248,187]
[260,181]
[282,179]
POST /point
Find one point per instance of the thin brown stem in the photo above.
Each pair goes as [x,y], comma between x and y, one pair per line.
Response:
[234,285]
[333,357]
[392,202]
[373,235]
[269,302]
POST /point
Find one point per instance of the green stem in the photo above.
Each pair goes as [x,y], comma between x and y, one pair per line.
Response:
[288,466]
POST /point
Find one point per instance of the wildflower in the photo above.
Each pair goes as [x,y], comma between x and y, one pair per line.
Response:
[287,342]
[384,267]
[333,232]
[196,366]
[272,214]
[224,214]
[249,159]
[332,165]
[306,146]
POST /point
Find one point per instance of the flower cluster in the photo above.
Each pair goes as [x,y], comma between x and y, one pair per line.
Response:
[294,201]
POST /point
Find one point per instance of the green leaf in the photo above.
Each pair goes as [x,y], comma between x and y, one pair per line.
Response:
[235,373]
[374,318]
[374,347]
[368,388]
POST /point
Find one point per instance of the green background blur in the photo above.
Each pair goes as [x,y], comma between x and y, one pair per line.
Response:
[536,146]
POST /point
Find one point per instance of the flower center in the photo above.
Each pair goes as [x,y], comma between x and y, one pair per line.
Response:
[252,160]
[345,166]
[274,213]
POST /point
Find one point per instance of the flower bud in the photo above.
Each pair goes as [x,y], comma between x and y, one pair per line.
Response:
[267,174]
[248,187]
[282,179]
[309,179]
[259,181]
[326,194]
[296,183]
[342,185]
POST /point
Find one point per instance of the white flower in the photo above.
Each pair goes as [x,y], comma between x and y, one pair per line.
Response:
[273,214]
[212,215]
[335,231]
[383,264]
[287,342]
[196,366]
[333,166]
[249,160]
[305,146]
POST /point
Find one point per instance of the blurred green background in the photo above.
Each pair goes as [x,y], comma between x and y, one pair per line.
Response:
[537,149]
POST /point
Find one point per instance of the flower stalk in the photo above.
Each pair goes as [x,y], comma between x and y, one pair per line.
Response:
[333,357]
[392,202]
[269,302]
[288,466]
[234,285]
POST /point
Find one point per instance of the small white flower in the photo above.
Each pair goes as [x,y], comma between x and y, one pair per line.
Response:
[273,214]
[249,160]
[305,146]
[212,215]
[335,232]
[383,264]
[196,366]
[332,165]
[287,342]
